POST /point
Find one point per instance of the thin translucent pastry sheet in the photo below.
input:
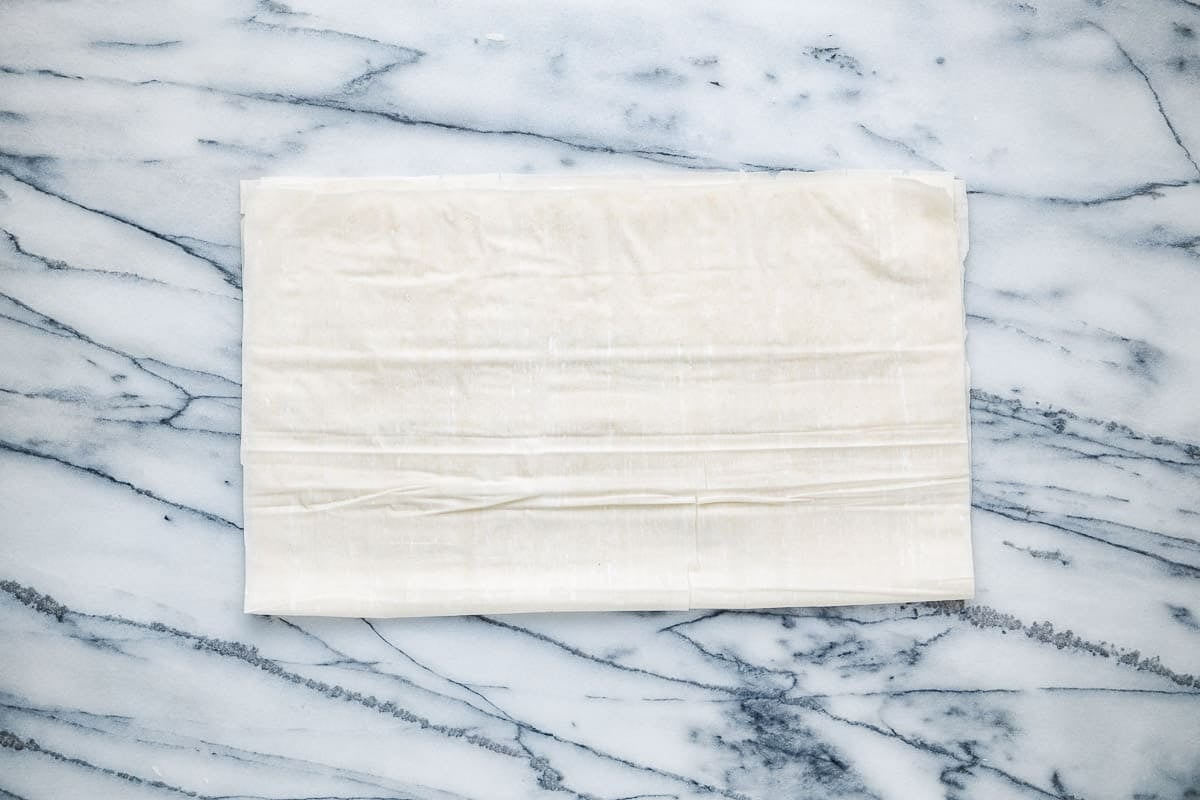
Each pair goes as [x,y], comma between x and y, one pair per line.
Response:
[501,394]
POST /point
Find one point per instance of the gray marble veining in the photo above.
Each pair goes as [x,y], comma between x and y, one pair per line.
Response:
[126,666]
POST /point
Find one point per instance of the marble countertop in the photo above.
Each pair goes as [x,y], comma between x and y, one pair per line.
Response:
[127,668]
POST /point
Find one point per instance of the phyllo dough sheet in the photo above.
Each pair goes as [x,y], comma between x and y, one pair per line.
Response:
[505,394]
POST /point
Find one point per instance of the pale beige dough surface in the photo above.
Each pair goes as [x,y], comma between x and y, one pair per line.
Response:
[495,394]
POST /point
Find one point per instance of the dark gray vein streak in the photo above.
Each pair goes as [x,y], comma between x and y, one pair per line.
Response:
[1119,454]
[496,712]
[1027,515]
[56,328]
[42,71]
[207,515]
[896,143]
[1162,112]
[1008,326]
[360,82]
[11,741]
[742,666]
[525,727]
[547,776]
[1151,189]
[332,104]
[972,761]
[62,266]
[66,396]
[988,618]
[1052,487]
[574,651]
[227,275]
[520,726]
[1183,616]
[826,615]
[136,45]
[985,618]
[1180,542]
[694,784]
[144,360]
[684,623]
[61,329]
[1008,408]
[684,160]
[917,692]
[249,655]
[1045,555]
[372,668]
[1164,539]
[169,421]
[203,747]
[411,54]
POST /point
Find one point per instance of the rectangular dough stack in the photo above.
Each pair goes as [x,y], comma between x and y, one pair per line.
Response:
[504,394]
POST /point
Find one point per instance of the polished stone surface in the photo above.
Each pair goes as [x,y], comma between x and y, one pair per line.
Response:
[126,666]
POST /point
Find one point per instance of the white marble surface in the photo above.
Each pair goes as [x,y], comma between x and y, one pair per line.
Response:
[126,666]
